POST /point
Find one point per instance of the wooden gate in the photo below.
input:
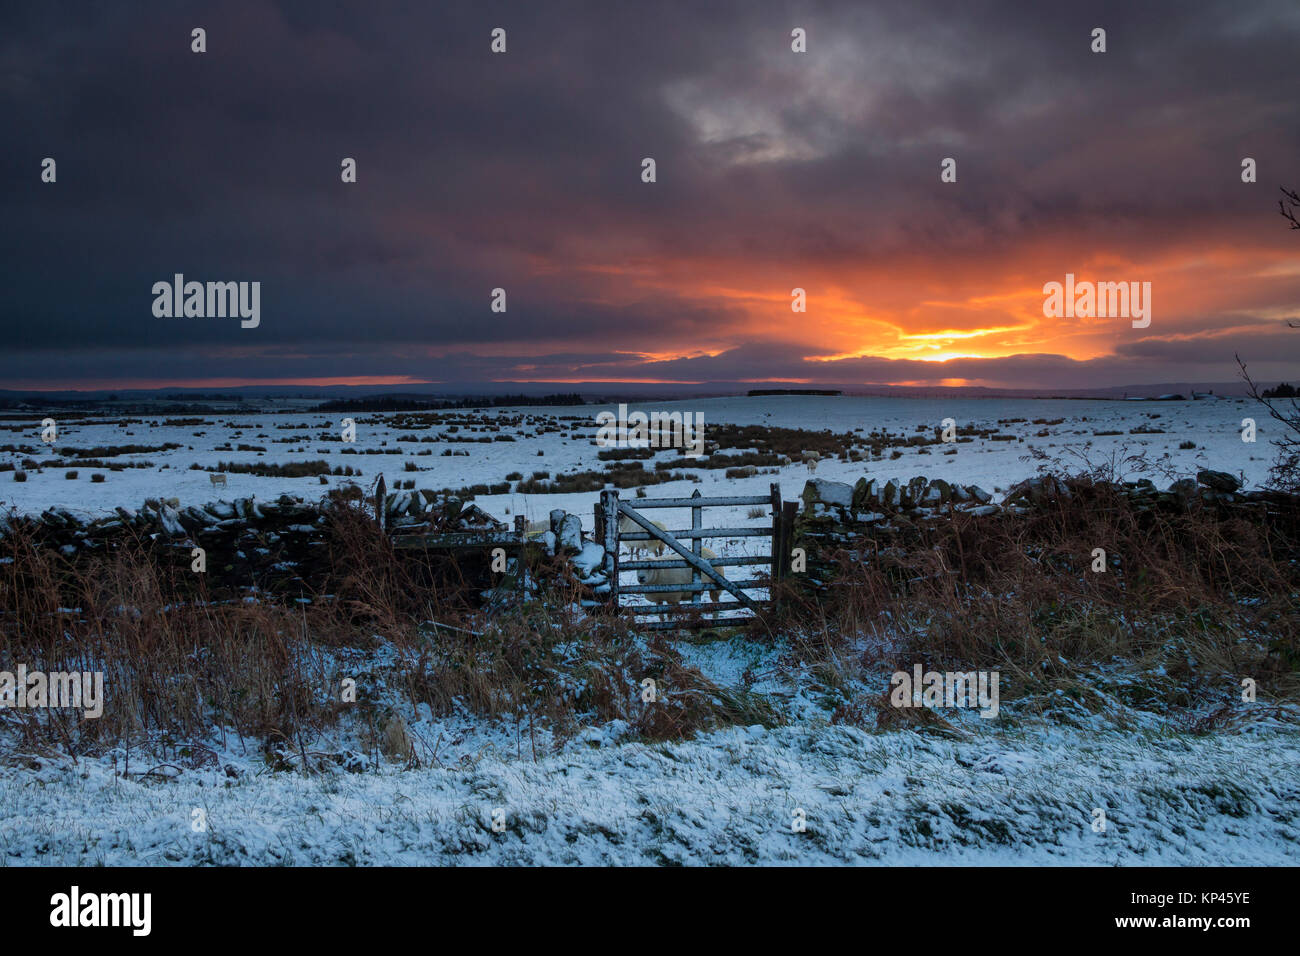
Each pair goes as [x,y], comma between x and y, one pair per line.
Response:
[703,577]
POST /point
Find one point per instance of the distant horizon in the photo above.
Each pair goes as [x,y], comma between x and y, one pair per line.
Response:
[676,391]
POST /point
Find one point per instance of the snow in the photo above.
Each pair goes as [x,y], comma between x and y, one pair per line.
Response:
[1012,791]
[1014,798]
[837,493]
[1213,426]
[1021,790]
[588,559]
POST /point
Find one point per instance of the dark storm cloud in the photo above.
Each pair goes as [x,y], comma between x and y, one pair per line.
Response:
[521,171]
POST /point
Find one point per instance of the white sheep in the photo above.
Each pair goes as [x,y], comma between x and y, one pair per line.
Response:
[627,526]
[810,458]
[677,576]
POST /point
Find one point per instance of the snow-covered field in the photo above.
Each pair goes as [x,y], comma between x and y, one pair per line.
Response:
[1214,426]
[562,440]
[1024,789]
[1025,798]
[1018,791]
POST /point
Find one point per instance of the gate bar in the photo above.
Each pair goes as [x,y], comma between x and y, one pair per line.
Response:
[707,502]
[716,562]
[750,532]
[679,608]
[698,587]
[696,562]
[694,623]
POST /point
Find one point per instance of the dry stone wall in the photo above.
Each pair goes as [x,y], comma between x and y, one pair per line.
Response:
[837,515]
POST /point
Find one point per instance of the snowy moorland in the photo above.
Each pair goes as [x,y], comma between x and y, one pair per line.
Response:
[493,443]
[785,760]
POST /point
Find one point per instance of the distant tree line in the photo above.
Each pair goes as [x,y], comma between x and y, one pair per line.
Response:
[757,392]
[394,403]
[1282,391]
[94,406]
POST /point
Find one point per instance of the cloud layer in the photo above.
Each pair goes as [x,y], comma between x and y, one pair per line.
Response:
[775,170]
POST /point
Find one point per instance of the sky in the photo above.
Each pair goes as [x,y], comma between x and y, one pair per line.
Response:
[522,170]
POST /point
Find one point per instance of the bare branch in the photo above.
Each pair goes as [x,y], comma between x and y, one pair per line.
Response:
[1289,205]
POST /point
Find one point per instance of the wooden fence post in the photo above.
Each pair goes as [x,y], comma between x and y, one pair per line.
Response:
[777,546]
[697,546]
[788,511]
[609,507]
[521,531]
